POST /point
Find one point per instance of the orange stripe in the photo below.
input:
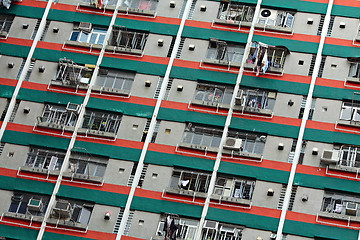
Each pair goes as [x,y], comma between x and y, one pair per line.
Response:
[17,41]
[340,42]
[8,82]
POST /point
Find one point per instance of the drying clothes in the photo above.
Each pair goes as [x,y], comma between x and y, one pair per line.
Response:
[170,229]
[5,3]
[184,183]
[264,63]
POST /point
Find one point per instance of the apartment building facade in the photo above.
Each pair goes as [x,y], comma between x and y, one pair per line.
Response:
[182,119]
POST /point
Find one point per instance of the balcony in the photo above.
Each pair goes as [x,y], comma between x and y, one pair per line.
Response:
[218,231]
[139,7]
[126,42]
[235,14]
[224,53]
[276,20]
[5,24]
[104,4]
[114,82]
[255,102]
[72,75]
[354,71]
[186,228]
[212,96]
[59,117]
[350,114]
[264,58]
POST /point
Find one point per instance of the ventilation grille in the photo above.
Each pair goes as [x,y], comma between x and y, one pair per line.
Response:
[171,48]
[118,221]
[322,64]
[192,8]
[35,29]
[146,129]
[168,87]
[156,130]
[132,174]
[292,198]
[128,223]
[1,148]
[312,65]
[321,24]
[32,63]
[181,45]
[331,25]
[5,110]
[143,174]
[282,197]
[21,68]
[45,30]
[158,88]
[13,114]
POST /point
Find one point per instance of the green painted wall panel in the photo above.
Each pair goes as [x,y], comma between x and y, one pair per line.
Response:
[24,11]
[264,127]
[14,50]
[259,173]
[317,230]
[21,184]
[158,206]
[6,91]
[345,11]
[18,233]
[330,137]
[185,116]
[110,151]
[243,219]
[67,16]
[122,107]
[95,196]
[340,51]
[299,5]
[319,182]
[48,97]
[26,139]
[333,93]
[130,65]
[166,159]
[54,56]
[153,27]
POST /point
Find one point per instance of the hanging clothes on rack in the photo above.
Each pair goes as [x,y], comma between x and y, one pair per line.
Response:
[170,227]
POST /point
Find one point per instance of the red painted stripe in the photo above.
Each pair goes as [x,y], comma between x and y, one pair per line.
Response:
[349,3]
[8,82]
[340,42]
[29,129]
[17,41]
[31,3]
[317,171]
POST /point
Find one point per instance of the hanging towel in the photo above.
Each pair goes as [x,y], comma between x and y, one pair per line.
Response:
[264,63]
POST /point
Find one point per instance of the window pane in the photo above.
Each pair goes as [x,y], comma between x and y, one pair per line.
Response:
[74,36]
[101,39]
[93,38]
[83,37]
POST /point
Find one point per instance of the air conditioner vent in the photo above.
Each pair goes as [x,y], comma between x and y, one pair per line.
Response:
[351,208]
[233,143]
[35,205]
[85,26]
[210,224]
[62,208]
[330,156]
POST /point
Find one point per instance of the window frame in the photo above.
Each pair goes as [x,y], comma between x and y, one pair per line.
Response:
[133,40]
[101,117]
[252,97]
[138,5]
[241,194]
[355,65]
[336,203]
[225,51]
[197,182]
[44,158]
[126,78]
[88,35]
[208,137]
[227,8]
[59,115]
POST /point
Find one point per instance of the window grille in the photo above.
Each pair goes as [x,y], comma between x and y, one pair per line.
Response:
[115,80]
[223,51]
[256,98]
[234,187]
[213,93]
[95,36]
[127,39]
[195,181]
[141,4]
[44,159]
[101,121]
[234,12]
[58,115]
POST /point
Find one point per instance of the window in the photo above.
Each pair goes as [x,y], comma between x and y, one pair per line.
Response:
[115,80]
[59,115]
[251,143]
[214,94]
[354,71]
[276,18]
[222,51]
[26,203]
[233,11]
[5,23]
[350,112]
[87,167]
[203,136]
[70,73]
[44,159]
[234,187]
[140,4]
[95,36]
[256,98]
[127,39]
[275,55]
[103,2]
[101,121]
[340,204]
[219,231]
[350,156]
[188,180]
[186,228]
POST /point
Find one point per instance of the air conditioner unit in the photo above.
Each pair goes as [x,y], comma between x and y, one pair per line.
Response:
[268,15]
[72,107]
[62,208]
[211,224]
[351,208]
[85,26]
[233,143]
[240,98]
[273,236]
[35,205]
[330,156]
[227,229]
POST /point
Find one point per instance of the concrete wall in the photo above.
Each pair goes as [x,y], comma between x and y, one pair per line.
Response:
[5,200]
[36,110]
[45,77]
[144,225]
[97,221]
[252,234]
[260,197]
[163,9]
[131,128]
[118,172]
[152,48]
[186,95]
[292,65]
[327,110]
[350,30]
[301,26]
[199,52]
[138,88]
[157,178]
[312,205]
[3,103]
[17,30]
[271,151]
[336,68]
[64,33]
[314,160]
[210,14]
[5,71]
[282,108]
[175,135]
[13,156]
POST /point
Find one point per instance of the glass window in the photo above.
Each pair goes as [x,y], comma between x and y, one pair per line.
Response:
[234,187]
[350,156]
[44,159]
[350,112]
[101,121]
[127,39]
[141,4]
[220,231]
[220,50]
[59,115]
[233,11]
[195,181]
[344,204]
[251,143]
[5,22]
[276,18]
[87,167]
[96,36]
[256,98]
[26,203]
[202,136]
[354,70]
[186,228]
[116,80]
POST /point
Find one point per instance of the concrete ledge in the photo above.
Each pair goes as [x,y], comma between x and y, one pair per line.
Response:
[66,223]
[83,44]
[273,28]
[96,133]
[55,126]
[267,112]
[184,192]
[61,84]
[349,123]
[83,177]
[231,199]
[339,216]
[198,147]
[3,34]
[24,216]
[353,80]
[242,154]
[344,168]
[221,62]
[111,90]
[39,170]
[270,69]
[137,11]
[106,7]
[232,23]
[210,104]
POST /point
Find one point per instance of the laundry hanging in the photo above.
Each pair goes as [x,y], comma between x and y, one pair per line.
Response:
[5,3]
[170,228]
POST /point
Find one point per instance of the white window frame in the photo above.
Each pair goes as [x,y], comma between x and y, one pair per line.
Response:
[233,189]
[43,159]
[88,35]
[350,156]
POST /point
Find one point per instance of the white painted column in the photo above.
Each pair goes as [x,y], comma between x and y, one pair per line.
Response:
[77,126]
[153,123]
[303,122]
[227,122]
